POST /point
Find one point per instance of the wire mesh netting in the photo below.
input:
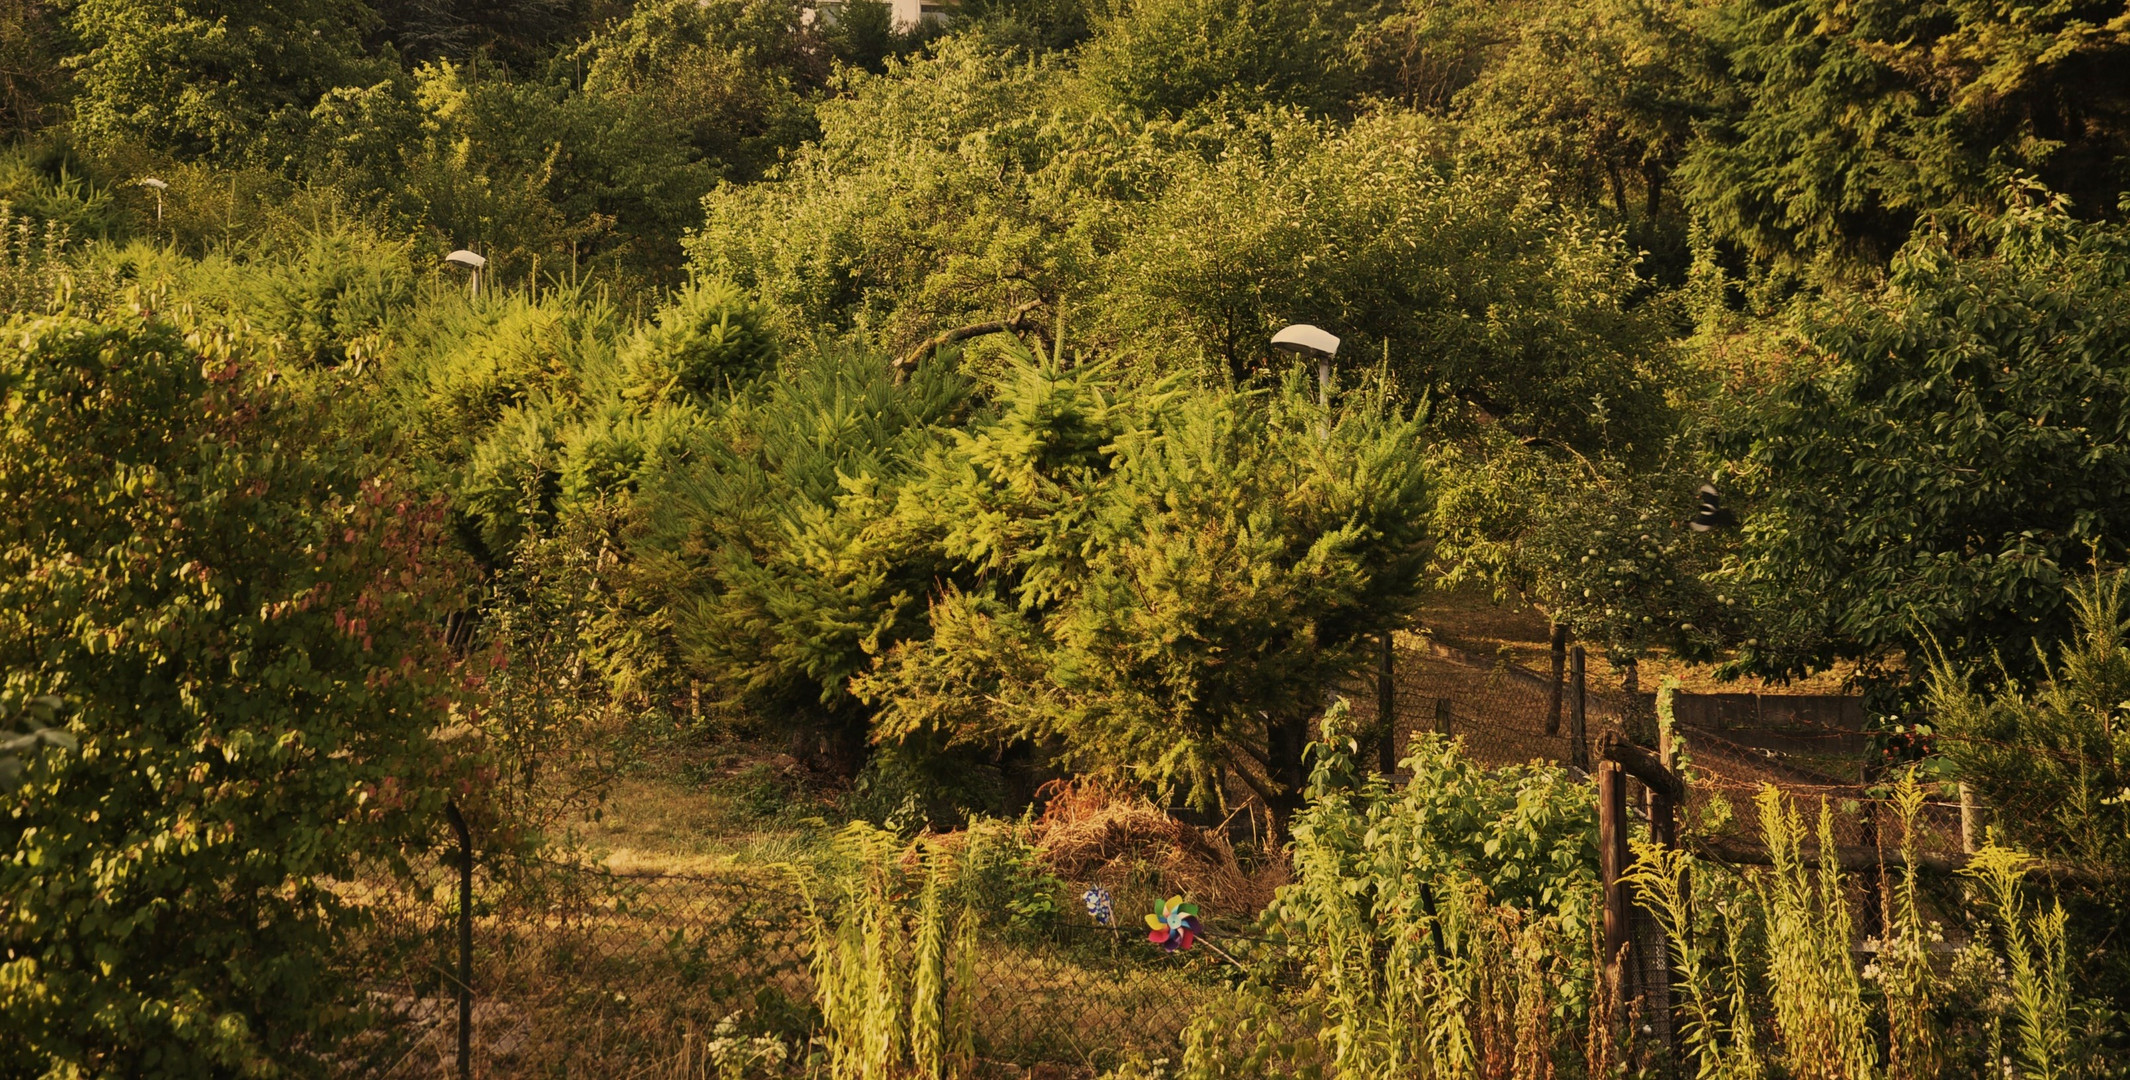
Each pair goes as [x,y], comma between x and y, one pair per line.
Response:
[1735,745]
[582,972]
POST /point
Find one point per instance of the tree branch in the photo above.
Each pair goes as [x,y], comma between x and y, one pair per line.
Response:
[1014,323]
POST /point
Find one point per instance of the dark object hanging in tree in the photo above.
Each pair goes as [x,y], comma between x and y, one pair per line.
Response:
[1712,514]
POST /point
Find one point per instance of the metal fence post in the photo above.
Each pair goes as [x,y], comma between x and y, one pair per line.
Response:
[1553,697]
[1387,707]
[1578,736]
[465,972]
[1442,716]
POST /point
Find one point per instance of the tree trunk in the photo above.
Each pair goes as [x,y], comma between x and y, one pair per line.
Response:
[1578,734]
[1285,739]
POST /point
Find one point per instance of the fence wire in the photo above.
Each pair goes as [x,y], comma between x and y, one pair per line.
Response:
[1813,750]
[583,972]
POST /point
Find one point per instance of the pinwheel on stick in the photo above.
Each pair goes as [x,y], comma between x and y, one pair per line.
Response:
[1175,927]
[1098,905]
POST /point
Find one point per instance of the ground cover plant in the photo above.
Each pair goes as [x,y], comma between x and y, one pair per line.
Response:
[692,467]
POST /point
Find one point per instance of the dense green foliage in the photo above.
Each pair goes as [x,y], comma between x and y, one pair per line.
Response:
[1161,584]
[759,539]
[1846,123]
[905,393]
[226,81]
[2051,754]
[1938,455]
[236,630]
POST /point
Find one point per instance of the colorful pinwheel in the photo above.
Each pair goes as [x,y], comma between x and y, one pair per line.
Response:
[1175,927]
[1098,905]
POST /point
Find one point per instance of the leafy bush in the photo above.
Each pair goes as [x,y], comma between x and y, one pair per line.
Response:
[730,73]
[1470,280]
[2048,760]
[1171,56]
[1600,546]
[999,870]
[335,295]
[612,452]
[254,676]
[921,786]
[2052,757]
[753,540]
[512,483]
[1832,136]
[1444,923]
[1527,834]
[56,188]
[511,355]
[950,190]
[234,82]
[1878,528]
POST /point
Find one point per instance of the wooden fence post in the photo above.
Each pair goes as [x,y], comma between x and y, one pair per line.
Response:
[1649,977]
[1612,863]
[1663,813]
[1578,736]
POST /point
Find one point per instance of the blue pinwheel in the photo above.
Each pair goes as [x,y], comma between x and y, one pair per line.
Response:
[1175,926]
[1098,905]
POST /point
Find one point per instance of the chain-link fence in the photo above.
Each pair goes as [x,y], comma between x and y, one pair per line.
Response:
[581,972]
[1807,746]
[578,971]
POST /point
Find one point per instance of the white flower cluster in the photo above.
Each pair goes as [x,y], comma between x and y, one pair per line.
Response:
[734,1055]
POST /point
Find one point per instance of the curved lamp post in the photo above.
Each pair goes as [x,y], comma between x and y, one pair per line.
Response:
[1302,339]
[157,186]
[471,262]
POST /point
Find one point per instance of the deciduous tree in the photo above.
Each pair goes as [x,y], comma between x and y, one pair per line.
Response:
[241,634]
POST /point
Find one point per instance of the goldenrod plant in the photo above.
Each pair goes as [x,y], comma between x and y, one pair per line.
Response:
[1813,980]
[894,1002]
[2040,983]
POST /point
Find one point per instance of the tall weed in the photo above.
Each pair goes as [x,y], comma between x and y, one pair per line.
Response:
[33,262]
[1441,925]
[895,983]
[2040,983]
[1813,981]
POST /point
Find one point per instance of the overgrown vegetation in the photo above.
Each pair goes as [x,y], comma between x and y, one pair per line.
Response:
[897,400]
[1425,960]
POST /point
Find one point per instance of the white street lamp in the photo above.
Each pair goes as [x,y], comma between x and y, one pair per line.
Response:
[1303,339]
[471,262]
[157,186]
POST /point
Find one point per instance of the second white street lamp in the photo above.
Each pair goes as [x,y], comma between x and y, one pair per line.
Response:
[1303,339]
